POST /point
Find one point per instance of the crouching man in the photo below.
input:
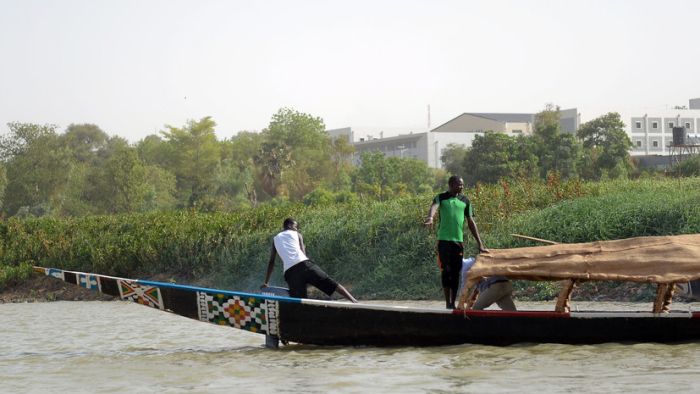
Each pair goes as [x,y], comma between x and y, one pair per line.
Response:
[299,271]
[492,290]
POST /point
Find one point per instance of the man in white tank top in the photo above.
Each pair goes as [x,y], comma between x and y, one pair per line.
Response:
[298,269]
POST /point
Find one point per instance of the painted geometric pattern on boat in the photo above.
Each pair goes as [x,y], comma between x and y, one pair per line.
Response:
[142,294]
[88,281]
[246,313]
[56,274]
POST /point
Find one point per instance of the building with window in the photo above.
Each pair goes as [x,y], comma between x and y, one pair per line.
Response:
[650,129]
[430,145]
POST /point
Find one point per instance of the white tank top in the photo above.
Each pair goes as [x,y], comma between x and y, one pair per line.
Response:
[289,249]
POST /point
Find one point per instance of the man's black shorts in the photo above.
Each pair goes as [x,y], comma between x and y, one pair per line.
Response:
[306,272]
[450,261]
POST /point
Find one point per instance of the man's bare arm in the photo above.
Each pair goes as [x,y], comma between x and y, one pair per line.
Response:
[431,215]
[270,265]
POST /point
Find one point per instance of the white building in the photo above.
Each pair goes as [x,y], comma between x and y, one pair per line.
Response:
[429,145]
[650,129]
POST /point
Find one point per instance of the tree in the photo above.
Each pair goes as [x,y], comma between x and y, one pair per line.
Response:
[415,175]
[343,181]
[155,151]
[229,183]
[84,140]
[272,159]
[3,182]
[298,144]
[453,158]
[195,155]
[556,151]
[549,116]
[83,194]
[125,182]
[37,166]
[341,152]
[240,151]
[242,148]
[161,187]
[319,197]
[22,138]
[299,182]
[389,177]
[606,139]
[377,169]
[496,155]
[316,163]
[688,168]
[296,130]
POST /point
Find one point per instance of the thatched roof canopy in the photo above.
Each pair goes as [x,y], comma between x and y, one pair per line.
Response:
[663,259]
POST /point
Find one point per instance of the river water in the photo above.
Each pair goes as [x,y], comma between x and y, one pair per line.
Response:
[121,347]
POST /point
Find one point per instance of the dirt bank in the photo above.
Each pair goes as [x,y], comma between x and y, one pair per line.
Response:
[41,288]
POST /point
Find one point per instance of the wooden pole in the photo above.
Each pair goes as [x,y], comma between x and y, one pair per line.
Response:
[544,241]
[565,296]
[660,299]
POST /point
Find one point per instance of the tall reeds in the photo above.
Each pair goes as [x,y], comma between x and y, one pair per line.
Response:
[377,249]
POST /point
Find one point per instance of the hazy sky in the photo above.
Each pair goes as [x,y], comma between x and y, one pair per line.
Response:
[131,67]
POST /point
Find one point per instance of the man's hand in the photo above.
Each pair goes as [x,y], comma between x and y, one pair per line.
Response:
[431,213]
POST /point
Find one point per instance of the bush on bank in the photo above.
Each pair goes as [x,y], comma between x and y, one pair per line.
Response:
[378,249]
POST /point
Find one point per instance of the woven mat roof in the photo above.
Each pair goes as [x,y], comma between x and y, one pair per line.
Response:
[664,259]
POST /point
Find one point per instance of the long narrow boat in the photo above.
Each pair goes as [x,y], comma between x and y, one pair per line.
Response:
[666,261]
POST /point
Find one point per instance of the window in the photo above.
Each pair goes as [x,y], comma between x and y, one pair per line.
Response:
[517,131]
[654,125]
[638,125]
[687,125]
[655,144]
[671,125]
[639,143]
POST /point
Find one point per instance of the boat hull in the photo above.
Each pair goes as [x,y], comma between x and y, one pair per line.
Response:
[344,324]
[350,326]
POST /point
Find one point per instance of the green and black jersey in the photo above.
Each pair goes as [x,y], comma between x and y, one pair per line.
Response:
[453,210]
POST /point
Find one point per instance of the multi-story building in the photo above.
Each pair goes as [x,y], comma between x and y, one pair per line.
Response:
[429,145]
[650,129]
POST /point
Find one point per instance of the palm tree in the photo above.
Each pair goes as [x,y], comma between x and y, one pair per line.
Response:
[272,159]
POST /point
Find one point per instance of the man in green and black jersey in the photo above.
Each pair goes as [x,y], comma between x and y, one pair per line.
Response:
[453,207]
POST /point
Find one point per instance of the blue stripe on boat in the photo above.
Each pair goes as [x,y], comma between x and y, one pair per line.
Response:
[218,291]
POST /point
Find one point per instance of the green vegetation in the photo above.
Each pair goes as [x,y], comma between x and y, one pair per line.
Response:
[185,205]
[599,150]
[378,249]
[82,171]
